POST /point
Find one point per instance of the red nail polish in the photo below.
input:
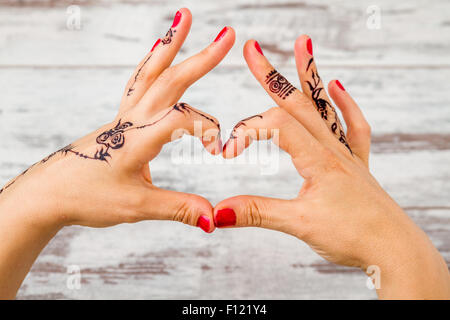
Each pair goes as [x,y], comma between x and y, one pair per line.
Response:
[258,47]
[309,46]
[176,19]
[225,218]
[203,223]
[155,45]
[340,85]
[221,34]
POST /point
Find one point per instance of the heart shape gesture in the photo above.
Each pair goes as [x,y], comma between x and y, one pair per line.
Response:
[104,178]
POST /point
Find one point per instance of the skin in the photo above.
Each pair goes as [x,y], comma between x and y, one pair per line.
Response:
[341,211]
[70,190]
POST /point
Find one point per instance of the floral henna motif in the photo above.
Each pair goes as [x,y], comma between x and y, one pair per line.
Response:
[279,84]
[114,138]
[323,105]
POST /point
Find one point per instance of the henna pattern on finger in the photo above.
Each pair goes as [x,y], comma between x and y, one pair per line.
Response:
[322,105]
[166,40]
[242,123]
[131,89]
[114,139]
[279,84]
[168,37]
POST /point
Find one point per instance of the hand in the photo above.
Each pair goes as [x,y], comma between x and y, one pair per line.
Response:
[104,178]
[341,211]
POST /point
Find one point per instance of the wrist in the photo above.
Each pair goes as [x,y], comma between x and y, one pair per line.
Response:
[407,264]
[26,204]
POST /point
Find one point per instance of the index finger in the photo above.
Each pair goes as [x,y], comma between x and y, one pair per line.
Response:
[172,83]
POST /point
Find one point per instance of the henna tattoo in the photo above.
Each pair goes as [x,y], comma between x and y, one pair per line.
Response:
[168,37]
[166,40]
[322,105]
[131,89]
[242,123]
[279,84]
[113,139]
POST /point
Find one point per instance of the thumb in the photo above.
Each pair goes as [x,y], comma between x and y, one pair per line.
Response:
[254,211]
[161,204]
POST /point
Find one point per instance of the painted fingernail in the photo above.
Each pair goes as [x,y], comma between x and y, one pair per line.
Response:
[258,47]
[221,34]
[309,46]
[155,45]
[340,85]
[203,223]
[176,19]
[225,218]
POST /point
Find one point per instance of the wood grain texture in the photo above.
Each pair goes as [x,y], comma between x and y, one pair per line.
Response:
[57,85]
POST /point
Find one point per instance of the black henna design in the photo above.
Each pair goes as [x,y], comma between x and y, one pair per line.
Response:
[168,37]
[279,84]
[114,139]
[131,89]
[242,123]
[322,105]
[166,40]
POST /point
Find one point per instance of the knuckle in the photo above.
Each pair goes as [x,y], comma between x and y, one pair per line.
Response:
[279,117]
[172,76]
[252,213]
[184,212]
[331,162]
[363,129]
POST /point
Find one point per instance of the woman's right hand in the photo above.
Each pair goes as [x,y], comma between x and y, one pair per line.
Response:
[104,178]
[341,211]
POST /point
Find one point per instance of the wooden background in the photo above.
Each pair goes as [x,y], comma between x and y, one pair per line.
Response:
[58,84]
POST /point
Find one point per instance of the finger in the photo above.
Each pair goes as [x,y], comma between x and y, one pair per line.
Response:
[157,60]
[172,83]
[313,88]
[286,132]
[358,129]
[254,211]
[154,203]
[171,124]
[284,94]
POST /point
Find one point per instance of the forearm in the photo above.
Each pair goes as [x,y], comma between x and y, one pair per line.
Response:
[24,232]
[412,268]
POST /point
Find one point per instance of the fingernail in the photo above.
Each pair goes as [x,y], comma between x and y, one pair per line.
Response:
[176,19]
[309,46]
[155,45]
[203,223]
[258,47]
[340,85]
[221,34]
[225,218]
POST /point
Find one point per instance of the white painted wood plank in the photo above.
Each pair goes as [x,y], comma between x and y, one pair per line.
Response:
[44,108]
[119,33]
